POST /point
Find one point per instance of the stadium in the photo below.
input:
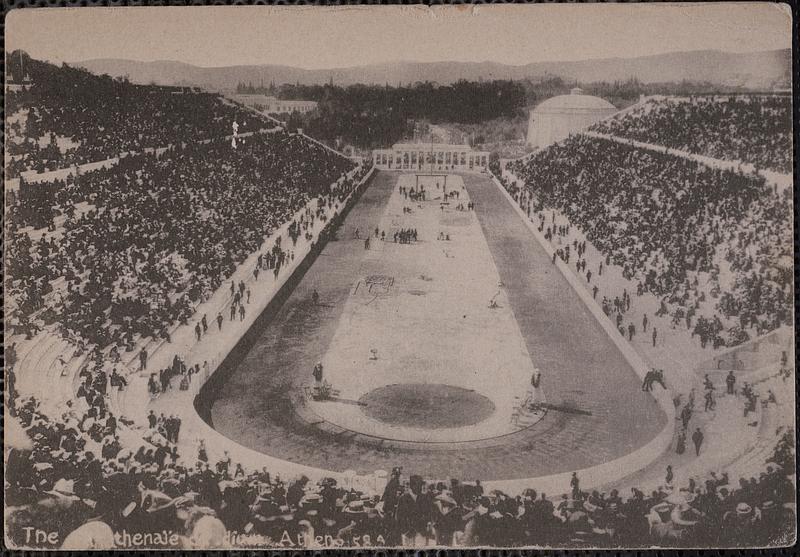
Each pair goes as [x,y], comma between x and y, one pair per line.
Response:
[220,326]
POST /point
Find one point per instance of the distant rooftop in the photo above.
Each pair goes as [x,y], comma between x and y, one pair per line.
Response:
[431,147]
[575,101]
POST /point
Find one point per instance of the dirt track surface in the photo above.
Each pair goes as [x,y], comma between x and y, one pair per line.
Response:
[598,411]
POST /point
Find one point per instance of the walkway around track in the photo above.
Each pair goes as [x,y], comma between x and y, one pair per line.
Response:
[561,444]
[254,459]
[136,400]
[62,173]
[782,181]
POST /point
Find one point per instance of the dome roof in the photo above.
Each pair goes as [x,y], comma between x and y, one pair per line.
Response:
[576,101]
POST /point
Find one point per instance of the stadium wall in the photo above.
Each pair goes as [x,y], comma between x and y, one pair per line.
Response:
[192,405]
[195,404]
[61,173]
[230,356]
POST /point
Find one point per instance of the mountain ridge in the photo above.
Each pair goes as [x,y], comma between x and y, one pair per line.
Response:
[757,70]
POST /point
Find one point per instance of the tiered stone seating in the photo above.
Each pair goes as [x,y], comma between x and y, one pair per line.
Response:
[58,388]
[25,348]
[773,421]
[115,401]
[40,373]
[40,357]
[752,463]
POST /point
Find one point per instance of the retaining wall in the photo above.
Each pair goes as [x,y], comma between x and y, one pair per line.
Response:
[189,405]
[195,402]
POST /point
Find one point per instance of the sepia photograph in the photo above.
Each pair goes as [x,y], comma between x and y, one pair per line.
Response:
[411,277]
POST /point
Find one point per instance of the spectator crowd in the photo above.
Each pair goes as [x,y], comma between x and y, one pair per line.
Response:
[162,233]
[73,475]
[749,129]
[714,245]
[67,116]
[139,245]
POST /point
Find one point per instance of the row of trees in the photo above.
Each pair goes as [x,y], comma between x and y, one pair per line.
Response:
[370,116]
[621,93]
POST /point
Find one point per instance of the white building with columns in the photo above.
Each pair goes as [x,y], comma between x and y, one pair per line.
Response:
[272,105]
[430,156]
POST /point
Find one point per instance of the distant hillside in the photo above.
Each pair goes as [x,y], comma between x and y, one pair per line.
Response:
[760,70]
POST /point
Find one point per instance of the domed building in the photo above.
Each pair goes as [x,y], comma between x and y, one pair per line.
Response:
[557,117]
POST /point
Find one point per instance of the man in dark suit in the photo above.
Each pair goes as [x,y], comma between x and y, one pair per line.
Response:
[414,514]
[697,439]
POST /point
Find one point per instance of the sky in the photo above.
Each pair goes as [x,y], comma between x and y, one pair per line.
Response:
[330,37]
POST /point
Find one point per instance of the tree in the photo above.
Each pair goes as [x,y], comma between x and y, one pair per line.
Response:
[294,121]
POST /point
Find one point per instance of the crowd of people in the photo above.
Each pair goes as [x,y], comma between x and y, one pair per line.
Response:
[714,245]
[750,129]
[66,116]
[140,244]
[73,475]
[162,233]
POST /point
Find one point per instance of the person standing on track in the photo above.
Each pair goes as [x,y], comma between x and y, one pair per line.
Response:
[317,373]
[709,401]
[730,382]
[536,380]
[647,384]
[697,439]
[575,484]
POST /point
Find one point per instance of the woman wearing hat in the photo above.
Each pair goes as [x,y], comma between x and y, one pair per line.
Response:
[447,519]
[360,520]
[740,526]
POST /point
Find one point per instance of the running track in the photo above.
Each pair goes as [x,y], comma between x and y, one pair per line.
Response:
[604,414]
